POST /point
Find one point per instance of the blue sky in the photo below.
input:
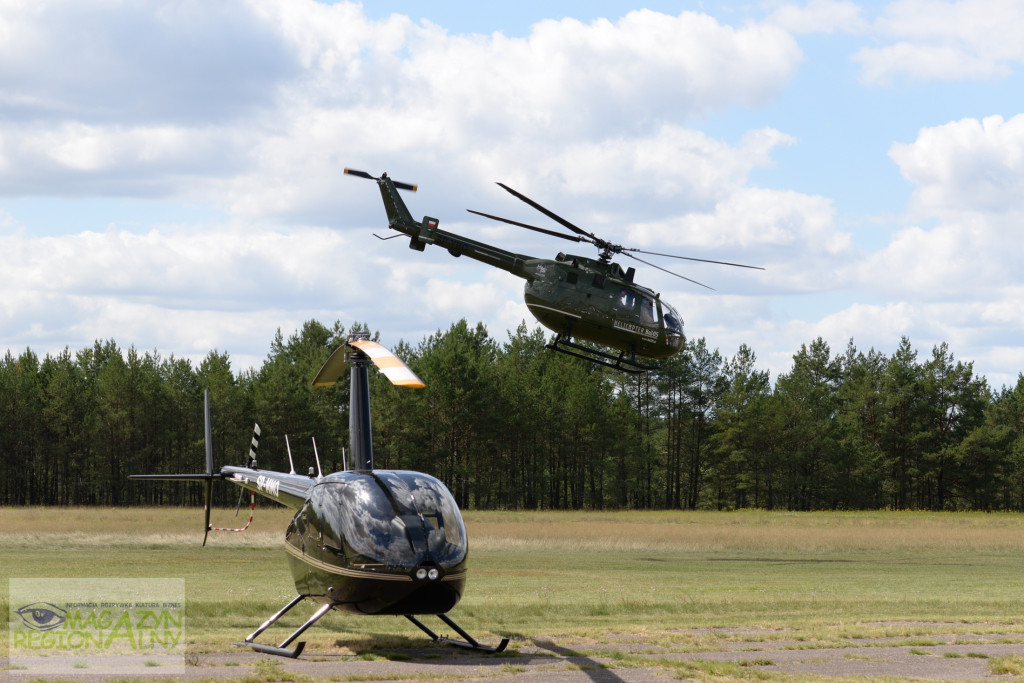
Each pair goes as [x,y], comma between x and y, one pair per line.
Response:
[171,172]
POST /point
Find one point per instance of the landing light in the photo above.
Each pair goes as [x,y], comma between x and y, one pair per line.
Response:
[421,573]
[433,574]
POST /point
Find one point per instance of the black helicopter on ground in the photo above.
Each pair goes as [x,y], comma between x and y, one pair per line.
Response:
[364,540]
[574,296]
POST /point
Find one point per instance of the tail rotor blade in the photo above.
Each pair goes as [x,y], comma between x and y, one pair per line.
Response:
[359,174]
[398,183]
[207,501]
[209,432]
[207,477]
[208,484]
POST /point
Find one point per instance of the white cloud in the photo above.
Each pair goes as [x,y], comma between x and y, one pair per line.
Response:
[941,40]
[679,169]
[969,177]
[867,324]
[819,16]
[954,277]
[920,263]
[963,271]
[102,98]
[792,235]
[967,165]
[559,105]
[188,291]
[75,158]
[881,65]
[254,108]
[113,61]
[166,287]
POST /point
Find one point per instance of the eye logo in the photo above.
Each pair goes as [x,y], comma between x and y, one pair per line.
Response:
[42,616]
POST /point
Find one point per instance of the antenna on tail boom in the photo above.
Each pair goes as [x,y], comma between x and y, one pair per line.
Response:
[319,472]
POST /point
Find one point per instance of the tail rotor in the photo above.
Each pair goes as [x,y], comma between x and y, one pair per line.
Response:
[210,475]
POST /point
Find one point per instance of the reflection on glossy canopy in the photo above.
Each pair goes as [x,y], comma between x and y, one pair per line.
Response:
[395,518]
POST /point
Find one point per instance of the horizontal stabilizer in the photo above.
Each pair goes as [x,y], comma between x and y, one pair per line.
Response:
[177,477]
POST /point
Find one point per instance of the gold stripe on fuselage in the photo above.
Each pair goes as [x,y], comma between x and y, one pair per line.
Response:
[357,573]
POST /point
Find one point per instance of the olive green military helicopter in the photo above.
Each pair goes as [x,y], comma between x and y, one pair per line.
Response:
[581,298]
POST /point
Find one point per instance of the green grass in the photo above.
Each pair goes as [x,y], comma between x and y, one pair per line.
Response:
[814,578]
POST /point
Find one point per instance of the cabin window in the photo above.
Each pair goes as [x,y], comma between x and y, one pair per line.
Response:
[626,298]
[599,280]
[571,278]
[647,314]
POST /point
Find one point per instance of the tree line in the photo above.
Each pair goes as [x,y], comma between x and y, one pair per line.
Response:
[508,424]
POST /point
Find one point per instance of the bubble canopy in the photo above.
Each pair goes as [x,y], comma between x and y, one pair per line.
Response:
[395,518]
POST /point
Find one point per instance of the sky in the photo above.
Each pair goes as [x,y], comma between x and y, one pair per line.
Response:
[171,171]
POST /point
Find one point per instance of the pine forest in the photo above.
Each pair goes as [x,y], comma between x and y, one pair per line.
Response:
[507,424]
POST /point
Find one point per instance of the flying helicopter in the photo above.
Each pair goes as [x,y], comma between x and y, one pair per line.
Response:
[364,540]
[577,297]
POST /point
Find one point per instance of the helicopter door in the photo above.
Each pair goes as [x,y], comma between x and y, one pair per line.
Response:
[304,532]
[332,542]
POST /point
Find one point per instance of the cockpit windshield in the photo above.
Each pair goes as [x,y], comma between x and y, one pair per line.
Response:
[395,518]
[428,498]
[673,326]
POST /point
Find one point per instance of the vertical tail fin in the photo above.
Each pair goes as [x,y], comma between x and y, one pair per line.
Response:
[396,209]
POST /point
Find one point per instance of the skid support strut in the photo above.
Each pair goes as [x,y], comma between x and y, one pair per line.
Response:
[621,362]
[469,642]
[282,650]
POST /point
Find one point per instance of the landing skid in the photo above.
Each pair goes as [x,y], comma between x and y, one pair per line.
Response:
[283,650]
[619,362]
[469,642]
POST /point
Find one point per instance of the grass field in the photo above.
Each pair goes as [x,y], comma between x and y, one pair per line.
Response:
[820,579]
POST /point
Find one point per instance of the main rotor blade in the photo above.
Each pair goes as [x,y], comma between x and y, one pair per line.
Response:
[550,214]
[334,367]
[397,372]
[690,258]
[652,265]
[571,238]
